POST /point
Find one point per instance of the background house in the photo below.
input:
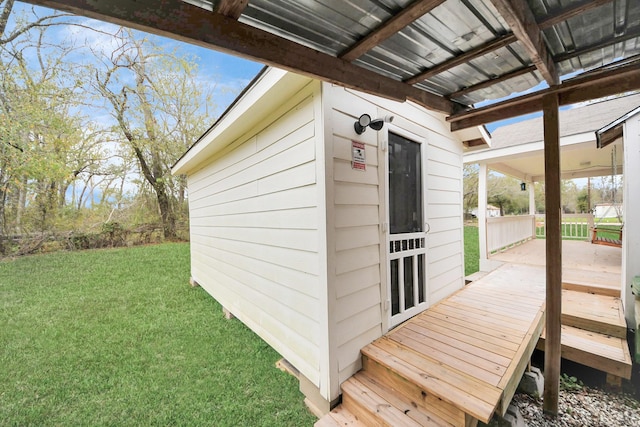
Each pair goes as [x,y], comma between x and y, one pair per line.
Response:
[597,139]
[317,238]
[607,210]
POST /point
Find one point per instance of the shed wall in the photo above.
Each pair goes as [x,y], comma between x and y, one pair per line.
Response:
[256,244]
[631,232]
[356,211]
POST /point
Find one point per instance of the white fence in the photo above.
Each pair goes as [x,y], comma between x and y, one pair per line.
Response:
[574,226]
[507,231]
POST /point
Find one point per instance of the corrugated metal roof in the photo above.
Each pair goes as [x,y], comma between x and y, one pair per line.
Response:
[579,43]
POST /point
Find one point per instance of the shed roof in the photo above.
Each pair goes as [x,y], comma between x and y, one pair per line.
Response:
[447,55]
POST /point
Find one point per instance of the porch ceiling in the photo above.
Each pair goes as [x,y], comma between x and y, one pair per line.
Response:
[447,55]
[578,160]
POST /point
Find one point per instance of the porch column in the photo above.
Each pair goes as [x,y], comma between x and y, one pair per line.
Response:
[532,198]
[553,254]
[532,208]
[482,217]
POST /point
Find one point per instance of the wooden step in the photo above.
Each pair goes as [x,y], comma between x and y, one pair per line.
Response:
[339,417]
[427,380]
[605,353]
[375,403]
[594,282]
[596,313]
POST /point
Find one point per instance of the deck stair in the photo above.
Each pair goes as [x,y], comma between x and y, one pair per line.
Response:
[594,333]
[454,364]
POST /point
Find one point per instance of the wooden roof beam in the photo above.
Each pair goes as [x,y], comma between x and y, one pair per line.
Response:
[191,24]
[406,16]
[493,81]
[522,22]
[595,84]
[476,52]
[570,11]
[231,8]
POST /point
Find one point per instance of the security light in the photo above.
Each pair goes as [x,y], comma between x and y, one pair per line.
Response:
[365,120]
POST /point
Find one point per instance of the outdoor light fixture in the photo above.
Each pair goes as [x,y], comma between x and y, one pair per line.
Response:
[523,186]
[365,120]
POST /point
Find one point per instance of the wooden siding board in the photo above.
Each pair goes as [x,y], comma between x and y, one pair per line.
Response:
[303,240]
[442,238]
[271,298]
[350,305]
[294,280]
[299,176]
[298,260]
[349,352]
[343,172]
[242,158]
[294,153]
[296,218]
[356,280]
[290,199]
[291,116]
[342,151]
[355,259]
[355,194]
[437,168]
[354,216]
[351,327]
[356,237]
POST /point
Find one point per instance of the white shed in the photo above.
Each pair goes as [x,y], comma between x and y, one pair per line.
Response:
[318,238]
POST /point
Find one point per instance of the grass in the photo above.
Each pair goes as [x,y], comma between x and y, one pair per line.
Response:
[471,250]
[118,337]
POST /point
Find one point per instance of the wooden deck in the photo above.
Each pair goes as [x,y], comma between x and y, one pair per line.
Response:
[461,360]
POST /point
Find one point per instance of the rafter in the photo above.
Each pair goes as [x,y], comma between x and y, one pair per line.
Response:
[231,8]
[594,84]
[522,22]
[631,33]
[388,28]
[571,11]
[191,24]
[490,46]
[493,81]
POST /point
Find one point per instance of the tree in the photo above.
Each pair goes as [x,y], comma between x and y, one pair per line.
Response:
[157,106]
[470,187]
[38,130]
[504,192]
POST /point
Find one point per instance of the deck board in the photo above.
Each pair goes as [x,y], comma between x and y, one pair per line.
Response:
[605,353]
[598,313]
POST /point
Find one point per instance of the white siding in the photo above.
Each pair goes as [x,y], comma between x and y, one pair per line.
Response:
[631,236]
[255,233]
[355,206]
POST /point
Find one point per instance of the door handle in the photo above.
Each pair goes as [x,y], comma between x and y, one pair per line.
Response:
[427,227]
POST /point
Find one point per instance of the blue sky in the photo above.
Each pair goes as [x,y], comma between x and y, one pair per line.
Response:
[230,74]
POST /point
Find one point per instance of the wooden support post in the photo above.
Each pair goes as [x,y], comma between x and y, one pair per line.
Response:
[552,354]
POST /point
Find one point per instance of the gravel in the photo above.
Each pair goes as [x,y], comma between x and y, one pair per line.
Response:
[588,406]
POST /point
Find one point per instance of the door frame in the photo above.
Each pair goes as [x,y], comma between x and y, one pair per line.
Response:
[385,270]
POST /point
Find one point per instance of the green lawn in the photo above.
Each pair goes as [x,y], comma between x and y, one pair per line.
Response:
[118,337]
[471,250]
